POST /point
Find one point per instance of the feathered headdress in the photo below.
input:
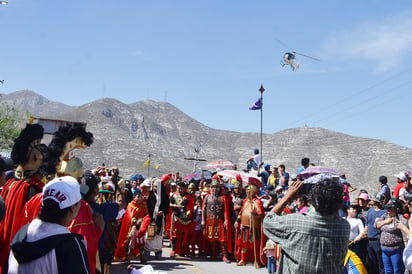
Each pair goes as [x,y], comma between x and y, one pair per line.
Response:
[65,140]
[29,137]
[27,152]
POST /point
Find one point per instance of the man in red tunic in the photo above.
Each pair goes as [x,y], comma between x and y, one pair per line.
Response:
[27,154]
[249,236]
[182,204]
[216,221]
[131,236]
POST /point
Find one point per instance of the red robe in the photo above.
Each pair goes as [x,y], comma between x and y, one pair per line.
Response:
[133,211]
[189,208]
[83,224]
[182,223]
[168,222]
[259,243]
[211,224]
[32,208]
[14,194]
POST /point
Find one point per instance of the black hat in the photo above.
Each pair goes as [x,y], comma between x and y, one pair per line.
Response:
[383,179]
[393,203]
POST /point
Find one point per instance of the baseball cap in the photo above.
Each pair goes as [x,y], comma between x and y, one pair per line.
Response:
[401,176]
[378,198]
[63,190]
[364,196]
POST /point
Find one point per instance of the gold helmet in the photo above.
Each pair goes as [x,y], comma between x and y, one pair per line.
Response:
[215,183]
[236,183]
[253,186]
[251,190]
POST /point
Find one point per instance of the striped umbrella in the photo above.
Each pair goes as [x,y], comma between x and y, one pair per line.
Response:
[233,174]
[223,164]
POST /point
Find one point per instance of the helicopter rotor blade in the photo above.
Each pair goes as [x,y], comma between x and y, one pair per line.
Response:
[307,56]
[283,44]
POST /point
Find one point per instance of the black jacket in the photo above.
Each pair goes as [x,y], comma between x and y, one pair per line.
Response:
[71,254]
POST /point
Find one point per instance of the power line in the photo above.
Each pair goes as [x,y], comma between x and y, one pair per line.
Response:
[349,97]
[362,103]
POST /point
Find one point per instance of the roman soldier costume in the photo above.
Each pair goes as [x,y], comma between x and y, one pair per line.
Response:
[249,235]
[216,220]
[27,154]
[182,222]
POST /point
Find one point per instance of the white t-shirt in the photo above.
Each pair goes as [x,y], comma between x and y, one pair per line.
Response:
[403,191]
[356,228]
[258,159]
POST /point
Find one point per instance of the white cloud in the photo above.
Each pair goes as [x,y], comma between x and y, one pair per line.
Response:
[385,42]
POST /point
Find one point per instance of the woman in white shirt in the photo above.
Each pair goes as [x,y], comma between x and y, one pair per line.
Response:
[356,230]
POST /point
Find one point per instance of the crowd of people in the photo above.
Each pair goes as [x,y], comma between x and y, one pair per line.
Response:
[57,217]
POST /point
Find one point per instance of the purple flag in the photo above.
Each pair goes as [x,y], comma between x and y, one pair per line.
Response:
[257,105]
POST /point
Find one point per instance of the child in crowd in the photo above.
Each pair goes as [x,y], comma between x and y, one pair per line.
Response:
[197,234]
[269,250]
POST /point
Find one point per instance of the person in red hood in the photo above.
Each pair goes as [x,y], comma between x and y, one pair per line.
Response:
[27,154]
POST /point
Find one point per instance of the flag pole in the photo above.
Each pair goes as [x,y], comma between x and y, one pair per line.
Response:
[261,121]
[148,168]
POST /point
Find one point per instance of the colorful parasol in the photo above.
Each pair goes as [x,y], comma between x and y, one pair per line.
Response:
[311,171]
[223,164]
[233,174]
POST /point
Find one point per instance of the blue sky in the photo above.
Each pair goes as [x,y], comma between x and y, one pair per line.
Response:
[209,58]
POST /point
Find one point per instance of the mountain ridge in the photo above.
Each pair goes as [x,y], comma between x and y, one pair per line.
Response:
[125,134]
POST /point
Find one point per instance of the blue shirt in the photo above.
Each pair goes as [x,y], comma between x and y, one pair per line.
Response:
[265,177]
[385,191]
[373,215]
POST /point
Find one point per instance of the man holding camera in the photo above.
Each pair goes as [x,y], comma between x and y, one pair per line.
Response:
[316,242]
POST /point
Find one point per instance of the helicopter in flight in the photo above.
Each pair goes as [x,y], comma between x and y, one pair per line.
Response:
[289,58]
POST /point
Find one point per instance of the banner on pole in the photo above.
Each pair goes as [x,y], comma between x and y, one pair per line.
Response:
[147,163]
[257,105]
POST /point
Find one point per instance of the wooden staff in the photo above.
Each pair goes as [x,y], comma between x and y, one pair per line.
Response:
[252,221]
[254,241]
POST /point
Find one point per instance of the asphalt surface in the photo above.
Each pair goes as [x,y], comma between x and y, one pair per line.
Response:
[185,265]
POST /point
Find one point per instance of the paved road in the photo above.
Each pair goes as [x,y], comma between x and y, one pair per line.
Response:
[185,265]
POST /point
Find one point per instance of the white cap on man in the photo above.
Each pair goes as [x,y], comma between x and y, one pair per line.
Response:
[63,190]
[401,176]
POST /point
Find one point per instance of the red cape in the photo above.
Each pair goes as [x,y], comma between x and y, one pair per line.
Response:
[226,201]
[190,205]
[14,194]
[133,211]
[83,224]
[32,208]
[262,243]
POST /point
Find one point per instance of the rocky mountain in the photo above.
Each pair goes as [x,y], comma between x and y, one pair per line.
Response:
[125,134]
